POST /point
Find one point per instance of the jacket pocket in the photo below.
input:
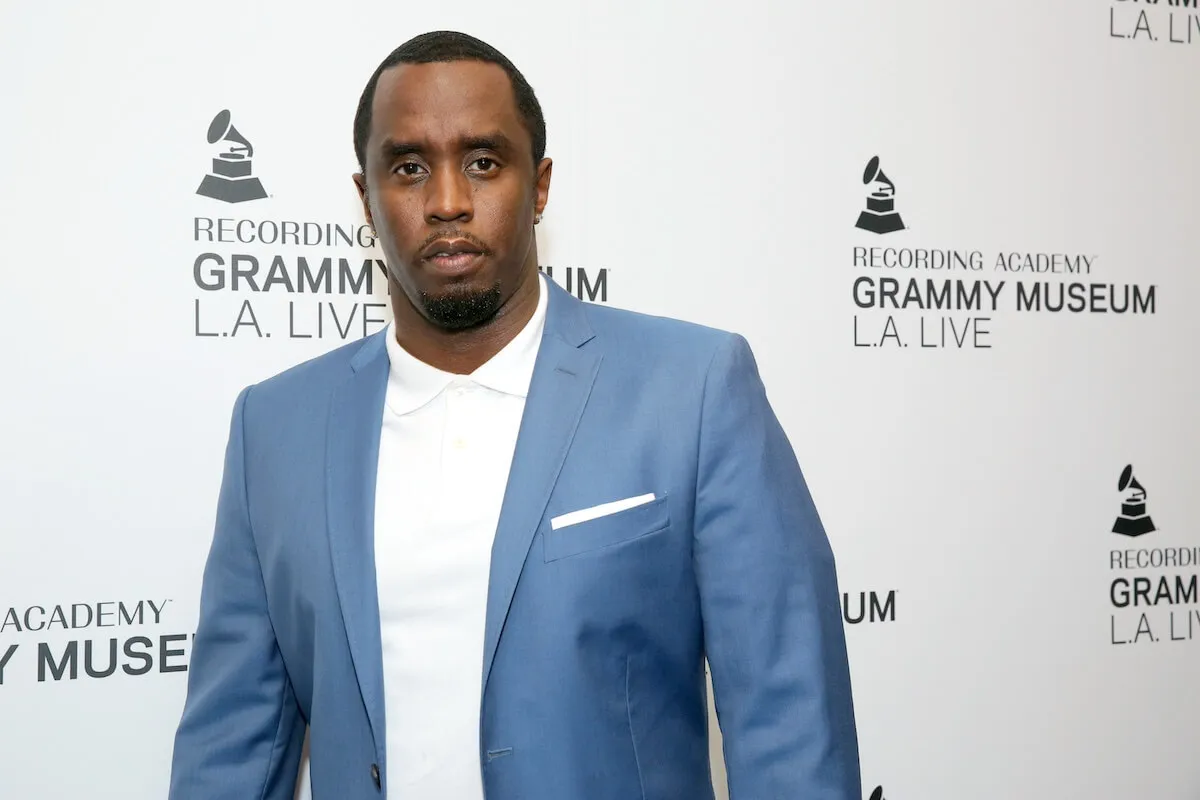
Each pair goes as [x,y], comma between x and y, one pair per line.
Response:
[623,526]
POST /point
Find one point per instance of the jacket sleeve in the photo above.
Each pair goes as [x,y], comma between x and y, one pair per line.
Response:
[770,601]
[241,733]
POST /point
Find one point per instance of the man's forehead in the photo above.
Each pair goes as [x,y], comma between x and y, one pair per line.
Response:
[455,92]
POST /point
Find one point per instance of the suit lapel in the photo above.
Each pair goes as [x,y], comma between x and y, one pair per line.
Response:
[562,382]
[355,421]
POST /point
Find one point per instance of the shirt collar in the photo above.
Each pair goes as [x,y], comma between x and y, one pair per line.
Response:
[412,383]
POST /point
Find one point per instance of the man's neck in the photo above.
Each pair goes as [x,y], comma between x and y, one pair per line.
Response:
[461,352]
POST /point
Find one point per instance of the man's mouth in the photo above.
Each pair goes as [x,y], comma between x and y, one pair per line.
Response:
[452,255]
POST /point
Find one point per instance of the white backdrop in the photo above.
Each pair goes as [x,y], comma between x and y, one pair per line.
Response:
[708,165]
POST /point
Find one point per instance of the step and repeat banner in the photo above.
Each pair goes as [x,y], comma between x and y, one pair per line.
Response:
[961,239]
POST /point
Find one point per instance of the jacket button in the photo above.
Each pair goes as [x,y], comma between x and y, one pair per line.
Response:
[375,776]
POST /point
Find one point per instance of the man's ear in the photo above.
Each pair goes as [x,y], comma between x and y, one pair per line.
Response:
[544,168]
[360,183]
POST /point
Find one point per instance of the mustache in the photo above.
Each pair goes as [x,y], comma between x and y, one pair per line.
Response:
[453,233]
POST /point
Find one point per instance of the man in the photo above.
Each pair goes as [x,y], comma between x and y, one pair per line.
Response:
[486,551]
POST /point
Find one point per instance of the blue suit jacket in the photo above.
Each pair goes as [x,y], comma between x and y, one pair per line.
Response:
[593,673]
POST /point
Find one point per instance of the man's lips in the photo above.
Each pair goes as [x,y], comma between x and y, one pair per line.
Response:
[454,264]
[452,256]
[442,248]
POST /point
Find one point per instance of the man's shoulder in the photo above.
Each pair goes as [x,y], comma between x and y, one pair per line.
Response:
[650,335]
[317,375]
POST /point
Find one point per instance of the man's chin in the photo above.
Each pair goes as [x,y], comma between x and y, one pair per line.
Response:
[462,306]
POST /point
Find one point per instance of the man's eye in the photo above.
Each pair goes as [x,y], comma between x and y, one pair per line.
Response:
[408,168]
[483,164]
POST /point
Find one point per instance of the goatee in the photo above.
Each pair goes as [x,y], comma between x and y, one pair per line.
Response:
[459,309]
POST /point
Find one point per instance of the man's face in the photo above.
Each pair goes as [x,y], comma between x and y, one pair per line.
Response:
[451,188]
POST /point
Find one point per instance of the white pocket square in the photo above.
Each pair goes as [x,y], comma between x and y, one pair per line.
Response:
[603,510]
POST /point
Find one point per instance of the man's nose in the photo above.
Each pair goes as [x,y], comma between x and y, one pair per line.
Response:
[449,196]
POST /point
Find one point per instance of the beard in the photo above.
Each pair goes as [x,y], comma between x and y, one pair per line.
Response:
[461,308]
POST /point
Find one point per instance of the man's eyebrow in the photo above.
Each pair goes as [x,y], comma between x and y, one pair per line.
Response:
[392,149]
[490,141]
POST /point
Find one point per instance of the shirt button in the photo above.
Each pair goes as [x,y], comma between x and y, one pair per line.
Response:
[375,776]
[460,443]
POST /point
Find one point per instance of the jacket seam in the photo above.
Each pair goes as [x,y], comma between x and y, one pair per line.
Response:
[274,748]
[633,737]
[727,344]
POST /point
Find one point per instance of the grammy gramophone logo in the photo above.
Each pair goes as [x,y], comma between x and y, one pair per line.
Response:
[230,179]
[1133,519]
[880,215]
[877,794]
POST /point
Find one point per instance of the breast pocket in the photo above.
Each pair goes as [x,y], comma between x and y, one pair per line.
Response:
[605,531]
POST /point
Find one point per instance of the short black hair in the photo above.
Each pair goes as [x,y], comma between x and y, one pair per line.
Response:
[444,46]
